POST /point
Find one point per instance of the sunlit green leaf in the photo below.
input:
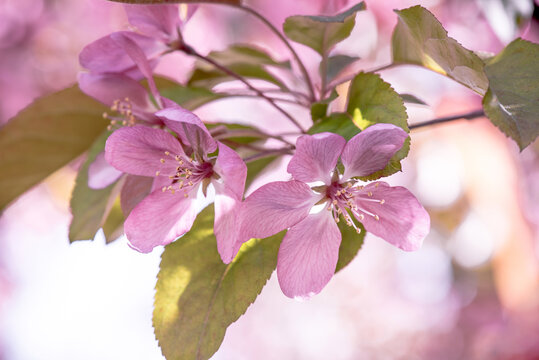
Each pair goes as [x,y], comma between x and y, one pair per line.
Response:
[512,101]
[420,39]
[197,296]
[371,101]
[321,33]
[337,123]
[351,243]
[90,207]
[45,136]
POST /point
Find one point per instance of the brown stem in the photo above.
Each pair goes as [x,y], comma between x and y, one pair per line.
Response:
[190,51]
[468,116]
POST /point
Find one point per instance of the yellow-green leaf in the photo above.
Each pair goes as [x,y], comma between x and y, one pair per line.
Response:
[45,136]
[197,296]
[420,39]
[351,243]
[512,101]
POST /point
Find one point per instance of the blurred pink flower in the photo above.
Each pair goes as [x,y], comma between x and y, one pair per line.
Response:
[309,252]
[170,210]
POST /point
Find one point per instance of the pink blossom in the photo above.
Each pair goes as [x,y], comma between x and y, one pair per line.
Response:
[179,172]
[309,252]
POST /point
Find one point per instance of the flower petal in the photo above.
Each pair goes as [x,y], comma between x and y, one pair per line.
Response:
[101,174]
[138,150]
[274,207]
[106,56]
[402,222]
[371,149]
[232,170]
[159,219]
[316,157]
[227,222]
[158,21]
[189,128]
[308,255]
[135,189]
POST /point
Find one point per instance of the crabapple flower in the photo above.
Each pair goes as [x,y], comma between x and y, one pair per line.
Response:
[309,251]
[179,172]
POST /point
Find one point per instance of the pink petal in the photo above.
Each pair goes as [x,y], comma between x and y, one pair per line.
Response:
[371,149]
[308,255]
[227,222]
[189,128]
[105,55]
[316,157]
[101,174]
[232,170]
[274,207]
[135,189]
[402,222]
[138,150]
[159,219]
[158,21]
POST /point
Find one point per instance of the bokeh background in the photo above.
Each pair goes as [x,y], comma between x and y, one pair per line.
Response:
[471,292]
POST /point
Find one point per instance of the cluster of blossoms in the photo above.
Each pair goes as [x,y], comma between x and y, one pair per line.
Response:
[169,159]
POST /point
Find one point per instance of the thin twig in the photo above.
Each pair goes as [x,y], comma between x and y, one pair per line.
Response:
[468,116]
[190,51]
[263,154]
[286,42]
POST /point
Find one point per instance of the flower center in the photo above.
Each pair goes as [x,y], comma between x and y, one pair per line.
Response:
[124,110]
[349,196]
[187,173]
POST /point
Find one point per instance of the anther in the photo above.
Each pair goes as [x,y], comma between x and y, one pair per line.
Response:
[157,173]
[376,185]
[164,188]
[334,202]
[162,161]
[369,194]
[376,217]
[167,153]
[382,202]
[361,217]
[185,195]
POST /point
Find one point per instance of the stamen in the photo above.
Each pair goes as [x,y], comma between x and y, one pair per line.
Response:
[157,173]
[382,202]
[376,217]
[162,161]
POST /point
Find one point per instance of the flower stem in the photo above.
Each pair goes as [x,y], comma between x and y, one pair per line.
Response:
[190,51]
[287,43]
[467,116]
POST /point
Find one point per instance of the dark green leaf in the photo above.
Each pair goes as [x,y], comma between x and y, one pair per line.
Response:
[188,97]
[197,296]
[350,244]
[371,101]
[412,99]
[512,101]
[338,123]
[90,207]
[319,109]
[235,133]
[45,136]
[420,39]
[243,54]
[335,64]
[113,227]
[210,78]
[321,33]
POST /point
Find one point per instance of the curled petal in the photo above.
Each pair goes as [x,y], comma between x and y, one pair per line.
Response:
[232,170]
[274,207]
[134,190]
[141,150]
[105,55]
[308,255]
[159,219]
[227,222]
[370,150]
[158,21]
[189,128]
[101,174]
[402,221]
[316,157]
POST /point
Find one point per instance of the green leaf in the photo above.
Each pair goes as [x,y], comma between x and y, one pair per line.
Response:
[371,101]
[245,60]
[420,39]
[412,99]
[337,123]
[512,101]
[335,64]
[231,2]
[45,136]
[90,207]
[319,109]
[235,133]
[197,296]
[350,244]
[321,33]
[113,227]
[189,97]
